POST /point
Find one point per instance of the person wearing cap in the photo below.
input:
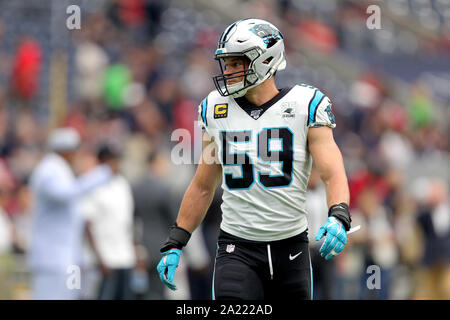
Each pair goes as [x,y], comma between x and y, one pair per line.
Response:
[57,227]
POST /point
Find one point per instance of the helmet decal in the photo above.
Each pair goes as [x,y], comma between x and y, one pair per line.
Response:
[269,35]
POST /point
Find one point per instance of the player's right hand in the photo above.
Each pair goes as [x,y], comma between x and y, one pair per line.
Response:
[166,267]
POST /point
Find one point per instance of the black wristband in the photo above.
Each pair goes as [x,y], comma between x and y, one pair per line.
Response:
[178,238]
[342,213]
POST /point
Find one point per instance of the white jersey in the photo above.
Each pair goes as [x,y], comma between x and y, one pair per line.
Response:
[265,159]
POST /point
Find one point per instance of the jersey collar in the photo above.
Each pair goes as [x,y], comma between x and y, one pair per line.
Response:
[257,111]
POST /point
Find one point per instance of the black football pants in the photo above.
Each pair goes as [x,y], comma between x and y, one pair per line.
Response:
[251,270]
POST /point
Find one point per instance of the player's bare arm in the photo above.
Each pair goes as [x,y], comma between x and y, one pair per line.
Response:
[328,159]
[199,194]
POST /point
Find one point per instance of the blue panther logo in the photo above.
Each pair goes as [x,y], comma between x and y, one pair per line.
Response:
[269,35]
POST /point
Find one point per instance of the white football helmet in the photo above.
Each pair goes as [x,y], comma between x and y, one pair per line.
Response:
[259,41]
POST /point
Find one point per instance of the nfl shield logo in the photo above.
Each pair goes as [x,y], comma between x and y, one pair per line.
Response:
[255,113]
[230,248]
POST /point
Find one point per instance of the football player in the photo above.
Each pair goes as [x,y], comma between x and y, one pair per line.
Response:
[264,141]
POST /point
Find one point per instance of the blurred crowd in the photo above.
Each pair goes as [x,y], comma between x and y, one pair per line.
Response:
[137,70]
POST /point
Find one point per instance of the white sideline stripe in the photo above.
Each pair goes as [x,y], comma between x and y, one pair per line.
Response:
[213,293]
[311,274]
[270,261]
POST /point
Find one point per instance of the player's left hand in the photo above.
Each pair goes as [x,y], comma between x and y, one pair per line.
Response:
[336,238]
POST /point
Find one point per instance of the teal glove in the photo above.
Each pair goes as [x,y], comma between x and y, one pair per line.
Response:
[336,238]
[166,267]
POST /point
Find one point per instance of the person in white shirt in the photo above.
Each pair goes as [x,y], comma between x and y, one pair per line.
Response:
[57,227]
[109,226]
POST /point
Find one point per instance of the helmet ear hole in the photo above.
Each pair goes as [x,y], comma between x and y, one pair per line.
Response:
[271,41]
[267,61]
